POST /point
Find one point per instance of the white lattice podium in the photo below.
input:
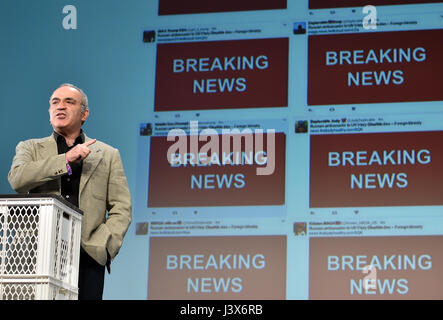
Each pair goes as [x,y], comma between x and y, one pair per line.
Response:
[39,247]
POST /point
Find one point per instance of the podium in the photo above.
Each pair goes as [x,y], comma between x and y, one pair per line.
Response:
[39,247]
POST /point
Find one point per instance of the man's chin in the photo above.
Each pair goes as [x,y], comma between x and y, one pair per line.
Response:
[59,126]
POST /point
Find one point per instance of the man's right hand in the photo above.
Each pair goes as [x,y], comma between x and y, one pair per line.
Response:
[79,152]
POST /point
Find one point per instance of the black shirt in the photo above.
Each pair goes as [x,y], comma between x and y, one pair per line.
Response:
[70,184]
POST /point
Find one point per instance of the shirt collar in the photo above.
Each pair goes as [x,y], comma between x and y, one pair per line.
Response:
[81,137]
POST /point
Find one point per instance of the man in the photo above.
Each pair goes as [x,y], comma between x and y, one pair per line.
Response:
[87,173]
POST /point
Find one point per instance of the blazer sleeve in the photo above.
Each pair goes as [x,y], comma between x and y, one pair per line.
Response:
[28,172]
[118,205]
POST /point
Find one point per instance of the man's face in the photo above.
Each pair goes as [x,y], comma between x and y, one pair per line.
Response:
[65,110]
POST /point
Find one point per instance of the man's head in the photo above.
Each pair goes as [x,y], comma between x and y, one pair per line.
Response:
[68,109]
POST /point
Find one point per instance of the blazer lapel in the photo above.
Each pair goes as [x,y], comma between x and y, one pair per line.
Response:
[89,165]
[47,147]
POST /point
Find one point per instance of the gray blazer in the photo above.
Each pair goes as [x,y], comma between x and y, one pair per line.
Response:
[37,168]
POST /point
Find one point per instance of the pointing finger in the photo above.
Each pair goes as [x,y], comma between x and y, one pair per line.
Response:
[88,143]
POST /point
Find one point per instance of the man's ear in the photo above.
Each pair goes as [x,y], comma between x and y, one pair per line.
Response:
[85,115]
